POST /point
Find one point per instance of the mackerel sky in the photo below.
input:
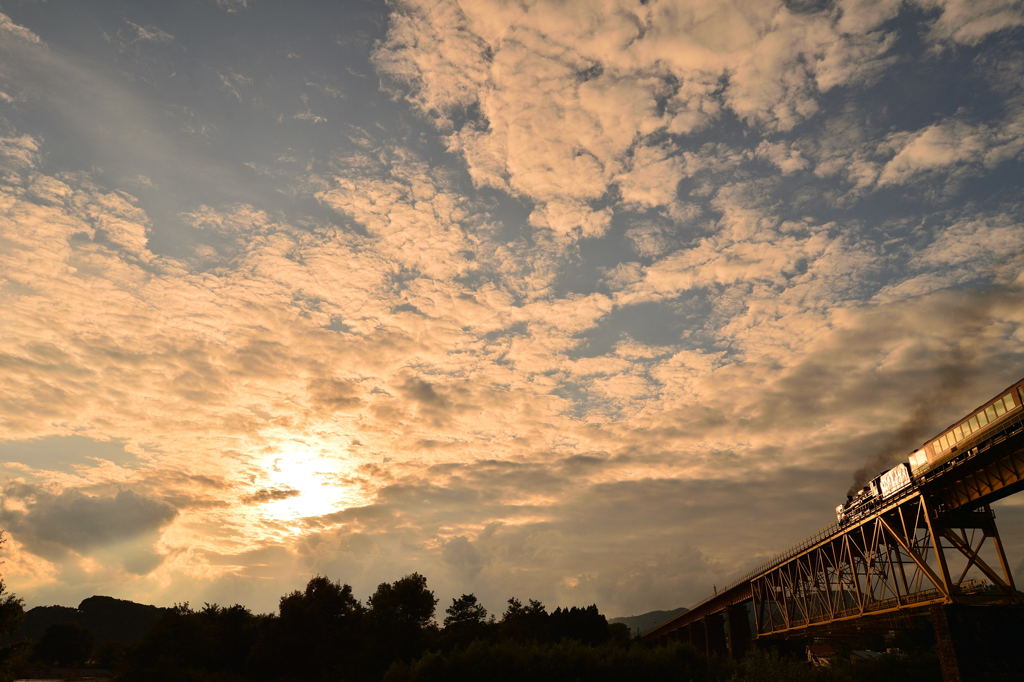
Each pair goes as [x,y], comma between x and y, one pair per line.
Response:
[584,301]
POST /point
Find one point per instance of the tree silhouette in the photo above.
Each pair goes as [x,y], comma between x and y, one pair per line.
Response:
[64,644]
[319,632]
[525,622]
[586,625]
[11,613]
[406,602]
[465,610]
[465,622]
[402,615]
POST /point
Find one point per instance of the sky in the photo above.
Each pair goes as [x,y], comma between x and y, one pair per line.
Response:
[582,301]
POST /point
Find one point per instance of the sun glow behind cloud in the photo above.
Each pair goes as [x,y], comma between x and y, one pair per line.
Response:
[303,481]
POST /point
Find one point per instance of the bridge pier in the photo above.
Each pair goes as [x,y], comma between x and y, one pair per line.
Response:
[739,630]
[698,635]
[978,643]
[714,627]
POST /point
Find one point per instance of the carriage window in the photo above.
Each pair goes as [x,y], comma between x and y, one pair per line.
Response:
[990,413]
[982,419]
[1008,401]
[974,423]
[958,432]
[998,408]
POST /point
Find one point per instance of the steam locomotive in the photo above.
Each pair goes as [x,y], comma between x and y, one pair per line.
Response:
[951,443]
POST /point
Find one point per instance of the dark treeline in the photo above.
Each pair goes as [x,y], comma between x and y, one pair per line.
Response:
[324,632]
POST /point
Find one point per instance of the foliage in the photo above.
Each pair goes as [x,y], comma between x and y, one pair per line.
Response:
[212,643]
[527,622]
[465,622]
[11,613]
[317,635]
[566,661]
[324,632]
[64,644]
[404,603]
[768,666]
[465,611]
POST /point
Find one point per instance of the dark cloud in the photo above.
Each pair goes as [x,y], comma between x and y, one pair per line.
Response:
[269,495]
[460,554]
[54,524]
[335,394]
[423,392]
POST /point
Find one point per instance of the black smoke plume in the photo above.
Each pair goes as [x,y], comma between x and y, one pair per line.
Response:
[912,430]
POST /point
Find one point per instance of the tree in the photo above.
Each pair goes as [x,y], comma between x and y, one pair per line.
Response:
[402,615]
[407,602]
[586,625]
[465,610]
[64,644]
[465,622]
[11,608]
[11,612]
[320,631]
[525,622]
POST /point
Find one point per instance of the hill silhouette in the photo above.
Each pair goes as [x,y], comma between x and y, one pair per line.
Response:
[645,622]
[108,619]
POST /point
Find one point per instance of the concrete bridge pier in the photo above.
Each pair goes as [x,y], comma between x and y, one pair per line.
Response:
[738,625]
[698,635]
[978,643]
[714,628]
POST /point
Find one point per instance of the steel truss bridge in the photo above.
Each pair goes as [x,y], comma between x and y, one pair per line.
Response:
[931,549]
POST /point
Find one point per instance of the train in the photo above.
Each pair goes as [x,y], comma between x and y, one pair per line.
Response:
[953,442]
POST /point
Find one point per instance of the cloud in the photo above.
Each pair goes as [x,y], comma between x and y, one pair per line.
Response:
[52,524]
[232,6]
[786,159]
[566,94]
[269,495]
[56,453]
[951,143]
[17,31]
[968,22]
[148,34]
[22,151]
[631,263]
[978,244]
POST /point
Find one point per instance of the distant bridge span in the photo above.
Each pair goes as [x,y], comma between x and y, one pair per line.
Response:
[935,543]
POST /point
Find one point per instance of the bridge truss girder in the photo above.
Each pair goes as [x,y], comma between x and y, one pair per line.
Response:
[904,556]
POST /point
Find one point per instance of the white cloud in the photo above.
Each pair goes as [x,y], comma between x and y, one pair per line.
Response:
[16,30]
[566,92]
[970,21]
[22,151]
[652,177]
[950,143]
[785,157]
